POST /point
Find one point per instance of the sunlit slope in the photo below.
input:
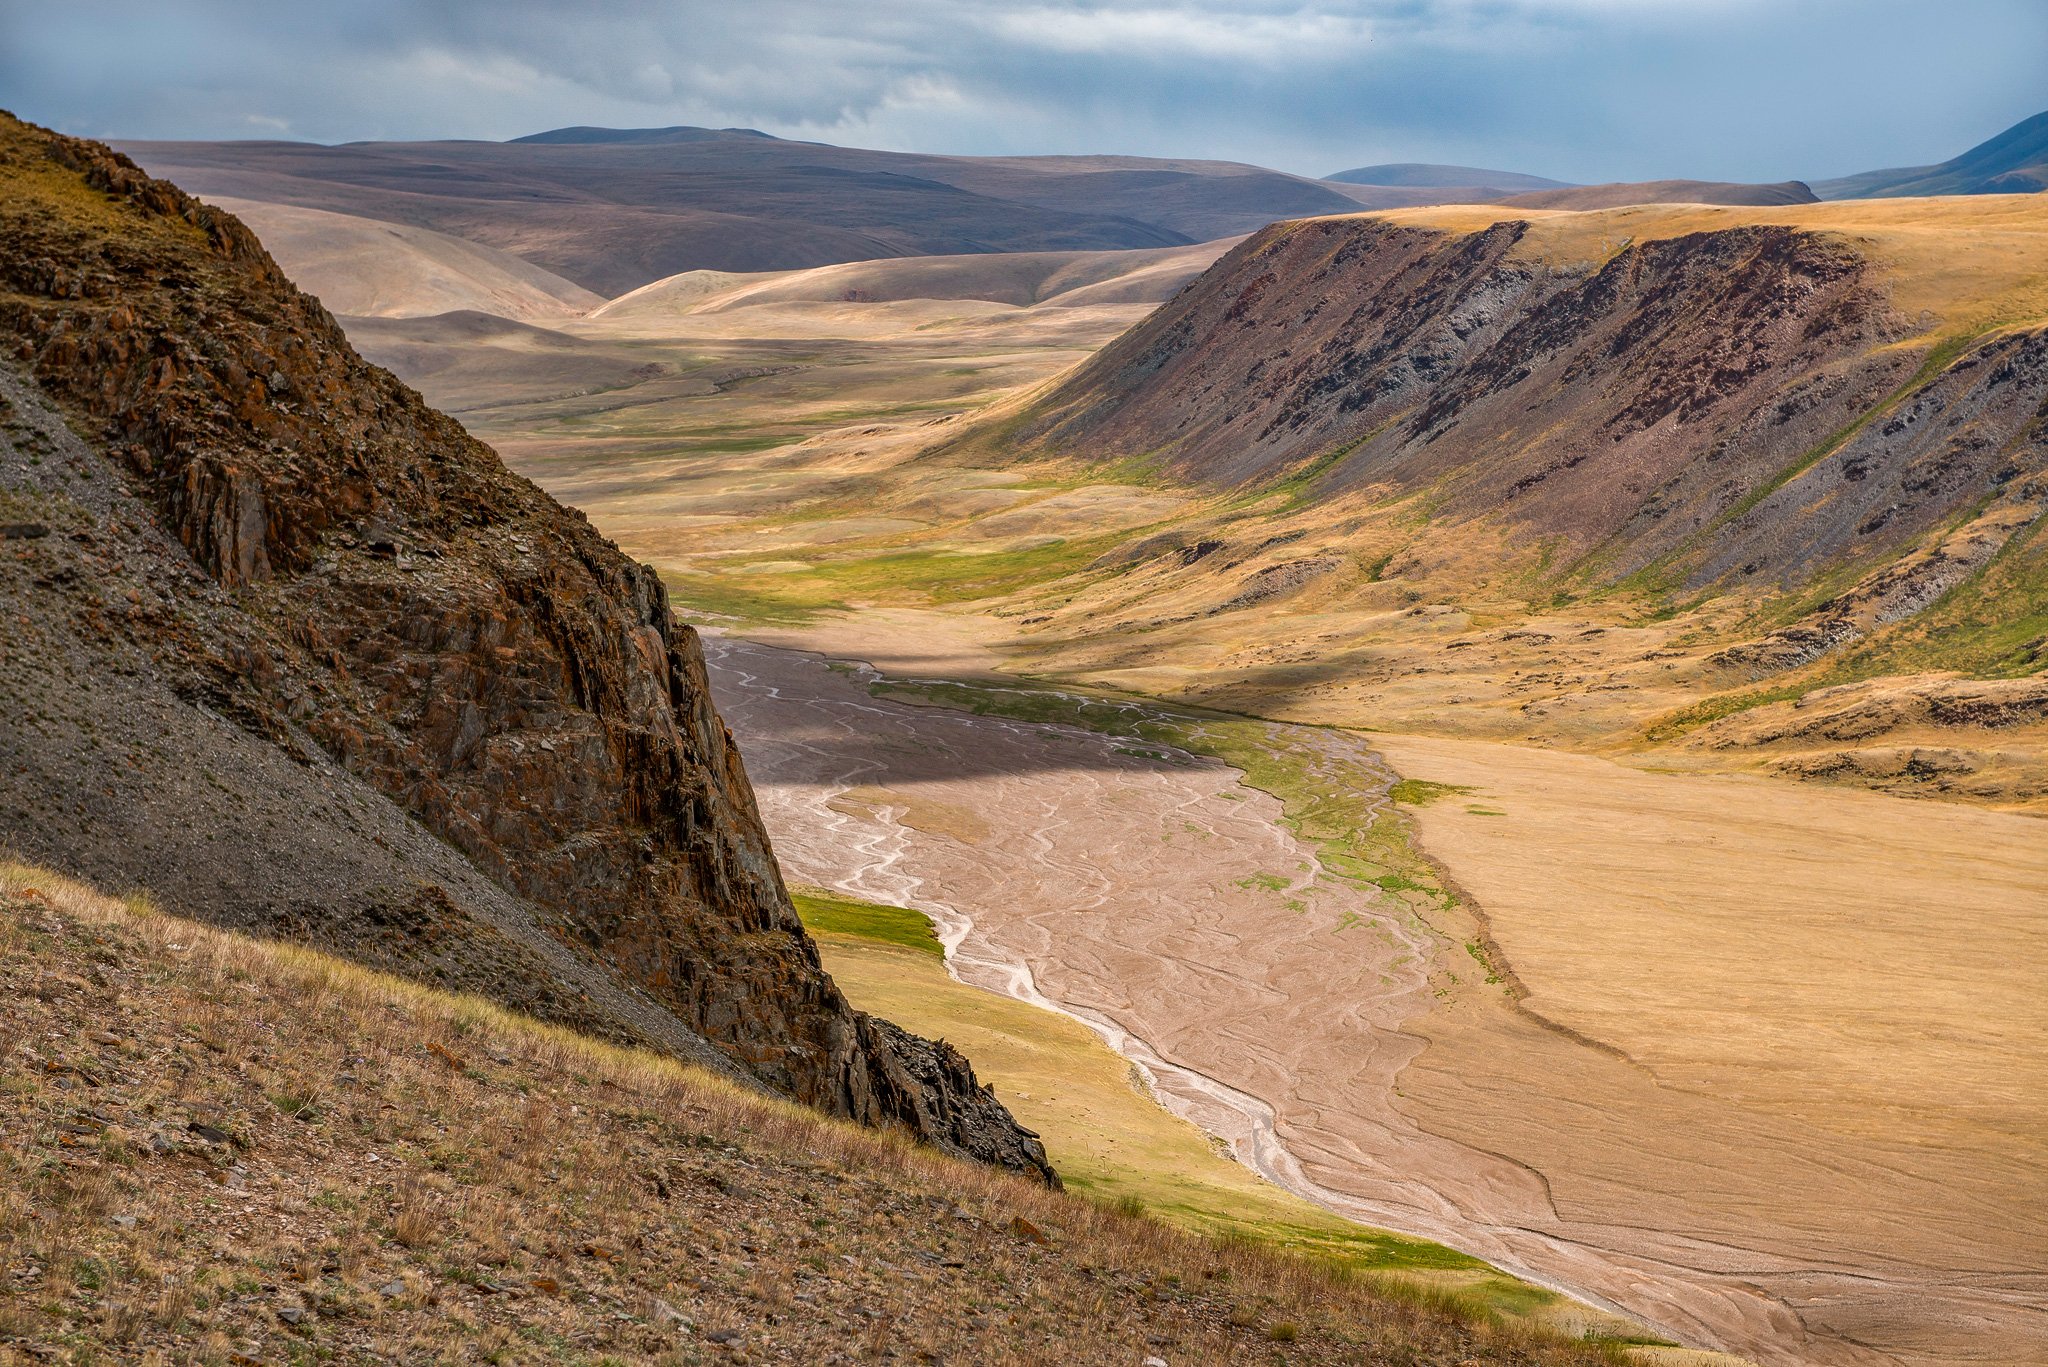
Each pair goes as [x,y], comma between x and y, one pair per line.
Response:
[1664,192]
[215,1147]
[916,289]
[362,267]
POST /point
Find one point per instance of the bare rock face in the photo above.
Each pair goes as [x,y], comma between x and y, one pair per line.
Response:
[335,590]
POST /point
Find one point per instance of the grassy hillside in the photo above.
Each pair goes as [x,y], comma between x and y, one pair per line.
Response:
[218,1149]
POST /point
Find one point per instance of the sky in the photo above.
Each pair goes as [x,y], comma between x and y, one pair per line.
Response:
[1581,90]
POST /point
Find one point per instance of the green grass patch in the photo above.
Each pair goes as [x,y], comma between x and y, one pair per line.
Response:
[1419,792]
[761,600]
[1674,725]
[824,914]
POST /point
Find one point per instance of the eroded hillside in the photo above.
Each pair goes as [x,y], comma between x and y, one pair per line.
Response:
[1811,439]
[290,649]
[1711,400]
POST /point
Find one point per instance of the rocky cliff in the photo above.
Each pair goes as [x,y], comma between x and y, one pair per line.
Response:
[1743,407]
[290,650]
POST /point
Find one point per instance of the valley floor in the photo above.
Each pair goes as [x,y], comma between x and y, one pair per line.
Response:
[1690,1102]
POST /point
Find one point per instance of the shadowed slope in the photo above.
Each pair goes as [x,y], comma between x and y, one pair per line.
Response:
[1664,192]
[2013,162]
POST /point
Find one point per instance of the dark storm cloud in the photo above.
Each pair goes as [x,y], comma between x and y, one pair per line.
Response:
[1581,89]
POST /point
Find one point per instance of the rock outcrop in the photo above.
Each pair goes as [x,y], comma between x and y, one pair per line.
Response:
[299,655]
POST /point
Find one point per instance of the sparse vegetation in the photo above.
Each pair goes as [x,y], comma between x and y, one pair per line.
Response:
[825,914]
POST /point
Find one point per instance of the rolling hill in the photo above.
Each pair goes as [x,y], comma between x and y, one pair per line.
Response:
[365,268]
[1812,401]
[1018,279]
[613,210]
[1430,176]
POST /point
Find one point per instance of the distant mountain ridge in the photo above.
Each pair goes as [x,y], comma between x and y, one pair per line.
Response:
[589,135]
[1666,192]
[1432,176]
[2013,162]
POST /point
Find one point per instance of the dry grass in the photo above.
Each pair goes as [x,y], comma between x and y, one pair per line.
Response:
[222,1150]
[1968,261]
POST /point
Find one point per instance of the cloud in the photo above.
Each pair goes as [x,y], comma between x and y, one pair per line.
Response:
[1581,89]
[1152,35]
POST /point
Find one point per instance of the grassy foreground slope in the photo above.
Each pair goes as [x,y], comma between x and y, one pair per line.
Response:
[218,1149]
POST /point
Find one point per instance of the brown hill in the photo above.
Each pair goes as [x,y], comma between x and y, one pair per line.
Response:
[289,649]
[1744,405]
[615,209]
[1665,192]
[1019,279]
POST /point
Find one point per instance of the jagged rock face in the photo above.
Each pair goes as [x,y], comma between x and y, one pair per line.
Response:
[378,596]
[1659,407]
